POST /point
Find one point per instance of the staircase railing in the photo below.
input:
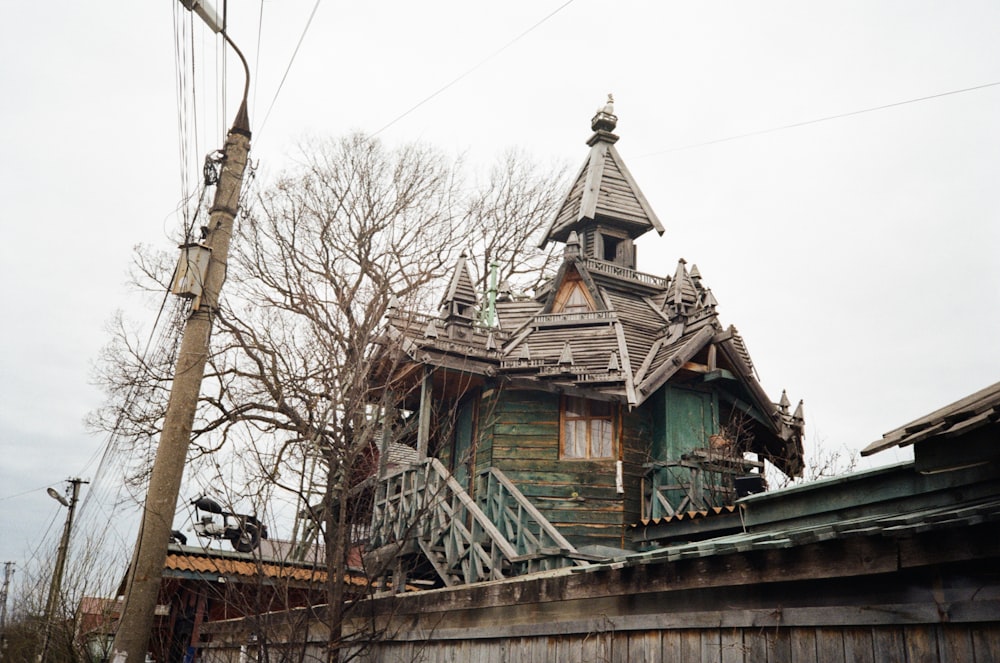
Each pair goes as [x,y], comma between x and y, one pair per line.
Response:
[423,507]
[424,504]
[540,546]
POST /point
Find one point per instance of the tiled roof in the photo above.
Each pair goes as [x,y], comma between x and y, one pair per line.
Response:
[214,565]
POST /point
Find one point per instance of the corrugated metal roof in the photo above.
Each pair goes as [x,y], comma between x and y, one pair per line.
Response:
[689,515]
[891,524]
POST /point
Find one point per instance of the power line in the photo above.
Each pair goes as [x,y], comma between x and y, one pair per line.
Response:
[819,119]
[474,67]
[288,68]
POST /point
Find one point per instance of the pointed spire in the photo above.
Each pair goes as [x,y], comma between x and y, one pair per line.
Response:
[393,304]
[680,279]
[566,357]
[784,403]
[459,300]
[604,191]
[431,330]
[709,300]
[613,364]
[799,415]
[572,249]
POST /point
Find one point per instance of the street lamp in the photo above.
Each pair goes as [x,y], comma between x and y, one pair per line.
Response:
[57,573]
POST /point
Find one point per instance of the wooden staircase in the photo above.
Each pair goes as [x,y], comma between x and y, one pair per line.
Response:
[428,532]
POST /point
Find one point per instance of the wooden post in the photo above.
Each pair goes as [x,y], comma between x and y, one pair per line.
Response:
[424,420]
[388,421]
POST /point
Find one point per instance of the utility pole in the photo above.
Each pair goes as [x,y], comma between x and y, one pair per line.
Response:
[133,633]
[57,574]
[8,571]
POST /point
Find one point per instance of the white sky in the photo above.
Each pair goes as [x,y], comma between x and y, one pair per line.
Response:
[856,255]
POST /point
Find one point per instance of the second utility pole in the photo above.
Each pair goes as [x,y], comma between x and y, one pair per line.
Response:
[132,636]
[55,587]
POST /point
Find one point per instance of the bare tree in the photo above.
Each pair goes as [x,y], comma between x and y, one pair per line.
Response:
[504,218]
[316,262]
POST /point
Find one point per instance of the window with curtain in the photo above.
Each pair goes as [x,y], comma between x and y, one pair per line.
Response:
[587,428]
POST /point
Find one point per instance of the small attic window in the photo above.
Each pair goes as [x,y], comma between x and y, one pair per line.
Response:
[610,247]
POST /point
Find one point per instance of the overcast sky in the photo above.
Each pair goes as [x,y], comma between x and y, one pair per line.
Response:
[856,255]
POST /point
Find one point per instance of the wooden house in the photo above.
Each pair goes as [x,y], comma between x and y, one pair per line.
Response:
[546,427]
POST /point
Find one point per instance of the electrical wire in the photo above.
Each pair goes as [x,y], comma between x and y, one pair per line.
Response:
[284,77]
[475,66]
[827,118]
[256,64]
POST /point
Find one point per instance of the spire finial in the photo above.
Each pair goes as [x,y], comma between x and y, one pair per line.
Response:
[605,121]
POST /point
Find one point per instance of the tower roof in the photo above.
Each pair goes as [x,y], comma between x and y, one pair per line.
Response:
[460,297]
[604,188]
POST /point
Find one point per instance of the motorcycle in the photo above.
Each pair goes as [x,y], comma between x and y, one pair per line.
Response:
[243,531]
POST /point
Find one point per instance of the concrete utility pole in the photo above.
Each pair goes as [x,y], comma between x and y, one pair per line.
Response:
[132,636]
[8,571]
[57,574]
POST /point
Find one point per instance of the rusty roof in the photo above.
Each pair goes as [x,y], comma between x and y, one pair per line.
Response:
[215,565]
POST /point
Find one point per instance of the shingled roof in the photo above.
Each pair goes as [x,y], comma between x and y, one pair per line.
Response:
[604,187]
[601,328]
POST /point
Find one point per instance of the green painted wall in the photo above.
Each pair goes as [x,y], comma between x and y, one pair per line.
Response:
[684,420]
[521,432]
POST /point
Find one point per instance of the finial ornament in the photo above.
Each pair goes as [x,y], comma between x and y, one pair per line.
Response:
[605,119]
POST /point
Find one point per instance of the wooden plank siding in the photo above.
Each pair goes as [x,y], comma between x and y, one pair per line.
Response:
[577,496]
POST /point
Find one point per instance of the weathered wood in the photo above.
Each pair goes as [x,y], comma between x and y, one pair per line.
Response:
[779,645]
[754,645]
[887,644]
[804,646]
[986,642]
[858,645]
[955,643]
[921,644]
[424,414]
[642,646]
[711,646]
[830,644]
[690,646]
[731,645]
